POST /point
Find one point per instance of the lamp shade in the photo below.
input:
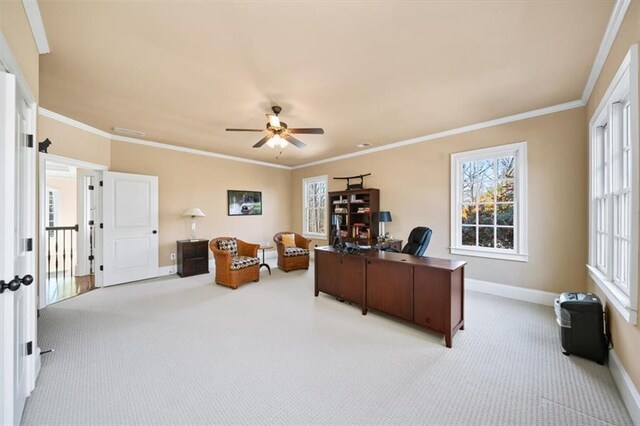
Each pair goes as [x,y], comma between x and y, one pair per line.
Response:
[384,216]
[193,212]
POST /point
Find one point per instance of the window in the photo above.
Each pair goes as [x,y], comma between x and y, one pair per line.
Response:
[613,233]
[314,207]
[53,208]
[488,202]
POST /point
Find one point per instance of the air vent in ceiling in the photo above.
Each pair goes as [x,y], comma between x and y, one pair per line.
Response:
[127,132]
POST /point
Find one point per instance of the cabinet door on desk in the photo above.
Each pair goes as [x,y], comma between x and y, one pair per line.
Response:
[352,275]
[390,288]
[327,266]
[431,297]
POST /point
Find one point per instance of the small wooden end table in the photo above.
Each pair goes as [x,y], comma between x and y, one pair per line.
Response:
[264,247]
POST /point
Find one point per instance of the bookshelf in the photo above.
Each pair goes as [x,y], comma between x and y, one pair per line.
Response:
[355,209]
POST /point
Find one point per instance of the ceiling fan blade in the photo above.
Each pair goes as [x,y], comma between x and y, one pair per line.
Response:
[273,120]
[245,130]
[312,131]
[295,141]
[262,141]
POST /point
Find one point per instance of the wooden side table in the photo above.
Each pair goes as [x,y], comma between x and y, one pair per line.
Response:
[193,257]
[264,247]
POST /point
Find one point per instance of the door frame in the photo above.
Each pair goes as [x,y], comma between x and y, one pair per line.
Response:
[42,196]
[9,64]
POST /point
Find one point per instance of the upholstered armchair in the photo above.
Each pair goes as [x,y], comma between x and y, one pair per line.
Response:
[237,261]
[293,252]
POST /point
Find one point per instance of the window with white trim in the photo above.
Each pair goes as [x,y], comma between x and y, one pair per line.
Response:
[488,202]
[314,207]
[613,233]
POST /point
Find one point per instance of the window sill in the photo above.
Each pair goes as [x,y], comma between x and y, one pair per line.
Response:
[618,299]
[315,236]
[490,254]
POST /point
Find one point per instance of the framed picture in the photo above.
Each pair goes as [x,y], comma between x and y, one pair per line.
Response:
[244,203]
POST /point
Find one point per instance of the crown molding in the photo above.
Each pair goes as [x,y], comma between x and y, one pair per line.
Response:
[32,11]
[610,34]
[465,129]
[82,126]
[73,123]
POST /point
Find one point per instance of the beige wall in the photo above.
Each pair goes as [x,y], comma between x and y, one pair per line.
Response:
[414,183]
[15,28]
[71,142]
[626,337]
[188,180]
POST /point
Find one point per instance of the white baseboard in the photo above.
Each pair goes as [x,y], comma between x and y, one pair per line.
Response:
[512,292]
[627,389]
[172,269]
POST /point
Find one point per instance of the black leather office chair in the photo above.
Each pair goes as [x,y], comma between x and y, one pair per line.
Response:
[418,241]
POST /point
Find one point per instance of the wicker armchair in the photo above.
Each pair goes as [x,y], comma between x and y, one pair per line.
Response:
[234,270]
[290,258]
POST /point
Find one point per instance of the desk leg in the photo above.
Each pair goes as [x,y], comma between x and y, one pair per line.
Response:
[447,339]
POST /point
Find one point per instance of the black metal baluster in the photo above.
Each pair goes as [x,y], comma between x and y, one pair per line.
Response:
[64,255]
[71,257]
[56,256]
[48,255]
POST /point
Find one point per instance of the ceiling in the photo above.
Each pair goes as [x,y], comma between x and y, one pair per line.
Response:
[377,72]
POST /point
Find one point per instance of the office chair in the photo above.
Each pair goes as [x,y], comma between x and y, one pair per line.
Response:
[418,241]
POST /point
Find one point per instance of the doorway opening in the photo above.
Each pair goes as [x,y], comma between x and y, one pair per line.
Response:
[70,218]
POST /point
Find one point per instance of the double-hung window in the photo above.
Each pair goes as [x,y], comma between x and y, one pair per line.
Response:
[613,207]
[314,207]
[488,202]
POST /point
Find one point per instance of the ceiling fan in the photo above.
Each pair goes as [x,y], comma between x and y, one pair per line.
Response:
[277,132]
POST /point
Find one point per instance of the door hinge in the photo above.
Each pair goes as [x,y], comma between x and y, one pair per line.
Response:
[102,226]
[91,257]
[29,244]
[91,223]
[29,141]
[101,268]
[101,183]
[91,187]
[29,348]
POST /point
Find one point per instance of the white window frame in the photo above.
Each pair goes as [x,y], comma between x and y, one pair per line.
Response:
[623,89]
[305,224]
[520,250]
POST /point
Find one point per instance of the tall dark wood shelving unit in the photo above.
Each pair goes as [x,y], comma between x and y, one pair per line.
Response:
[356,209]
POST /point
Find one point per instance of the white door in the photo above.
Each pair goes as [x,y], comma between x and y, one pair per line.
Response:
[130,218]
[17,263]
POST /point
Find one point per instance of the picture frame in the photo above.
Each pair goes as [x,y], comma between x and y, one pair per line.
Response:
[244,203]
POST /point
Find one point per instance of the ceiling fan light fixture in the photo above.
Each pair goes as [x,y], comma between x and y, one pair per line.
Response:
[277,141]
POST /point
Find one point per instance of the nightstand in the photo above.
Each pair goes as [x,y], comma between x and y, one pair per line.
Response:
[193,257]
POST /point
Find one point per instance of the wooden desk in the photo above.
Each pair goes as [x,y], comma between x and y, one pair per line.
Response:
[424,290]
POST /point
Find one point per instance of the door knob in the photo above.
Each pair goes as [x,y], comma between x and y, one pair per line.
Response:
[14,284]
[155,232]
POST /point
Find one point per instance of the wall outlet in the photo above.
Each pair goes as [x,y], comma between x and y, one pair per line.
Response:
[173,256]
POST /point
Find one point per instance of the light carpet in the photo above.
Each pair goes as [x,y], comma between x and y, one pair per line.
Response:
[186,351]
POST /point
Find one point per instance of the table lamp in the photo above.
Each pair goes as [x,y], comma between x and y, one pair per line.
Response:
[193,212]
[383,216]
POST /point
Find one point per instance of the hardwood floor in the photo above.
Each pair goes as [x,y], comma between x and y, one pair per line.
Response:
[64,288]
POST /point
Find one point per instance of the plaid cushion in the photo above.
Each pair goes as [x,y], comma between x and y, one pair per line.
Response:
[229,245]
[295,251]
[241,262]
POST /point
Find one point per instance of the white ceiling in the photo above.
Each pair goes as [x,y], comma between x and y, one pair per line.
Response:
[377,72]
